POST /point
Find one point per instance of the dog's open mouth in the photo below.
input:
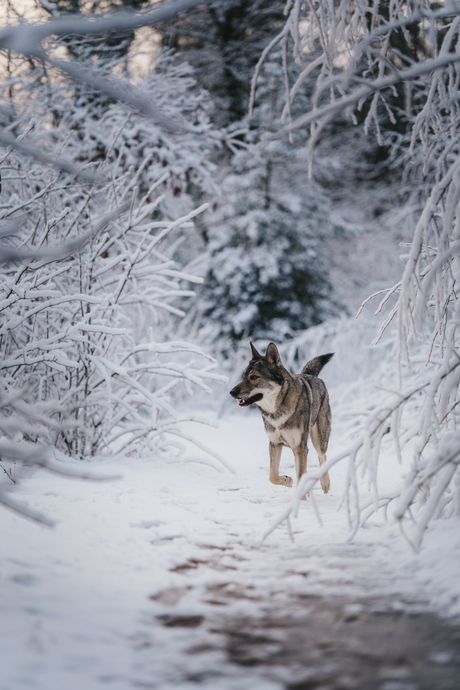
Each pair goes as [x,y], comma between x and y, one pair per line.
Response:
[251,400]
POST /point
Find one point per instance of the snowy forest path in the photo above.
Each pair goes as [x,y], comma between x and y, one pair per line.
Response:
[168,565]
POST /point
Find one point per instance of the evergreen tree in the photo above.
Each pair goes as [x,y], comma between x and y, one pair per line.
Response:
[266,275]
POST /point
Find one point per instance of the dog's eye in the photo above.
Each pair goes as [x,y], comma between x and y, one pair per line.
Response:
[253,377]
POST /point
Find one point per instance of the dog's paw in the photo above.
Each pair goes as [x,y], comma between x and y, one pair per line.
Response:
[325,483]
[287,481]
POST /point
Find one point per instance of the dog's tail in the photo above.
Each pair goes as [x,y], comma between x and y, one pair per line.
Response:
[314,367]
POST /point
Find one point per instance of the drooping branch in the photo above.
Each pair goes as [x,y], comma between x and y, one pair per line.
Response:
[27,39]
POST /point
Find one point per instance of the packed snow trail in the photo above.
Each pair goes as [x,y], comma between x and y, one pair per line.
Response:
[160,580]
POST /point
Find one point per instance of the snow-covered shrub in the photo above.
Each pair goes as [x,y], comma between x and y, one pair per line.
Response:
[87,275]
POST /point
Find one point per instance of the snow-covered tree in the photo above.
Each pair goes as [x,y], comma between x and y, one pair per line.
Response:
[399,63]
[266,274]
[267,239]
[92,216]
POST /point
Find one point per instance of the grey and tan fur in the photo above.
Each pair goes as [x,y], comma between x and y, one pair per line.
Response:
[293,406]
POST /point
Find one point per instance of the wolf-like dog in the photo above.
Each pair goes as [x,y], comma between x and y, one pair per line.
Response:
[293,406]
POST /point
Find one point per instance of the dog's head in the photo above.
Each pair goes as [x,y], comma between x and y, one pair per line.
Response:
[263,376]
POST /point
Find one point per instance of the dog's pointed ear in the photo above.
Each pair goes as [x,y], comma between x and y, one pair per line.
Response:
[255,354]
[272,355]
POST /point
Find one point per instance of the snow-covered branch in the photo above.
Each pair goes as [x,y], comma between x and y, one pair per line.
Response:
[27,38]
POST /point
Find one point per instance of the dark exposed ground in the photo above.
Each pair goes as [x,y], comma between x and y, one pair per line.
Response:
[344,646]
[334,645]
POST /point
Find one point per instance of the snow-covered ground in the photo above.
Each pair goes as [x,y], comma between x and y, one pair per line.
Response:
[126,589]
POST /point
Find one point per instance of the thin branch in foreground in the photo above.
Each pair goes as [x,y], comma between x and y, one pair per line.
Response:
[8,474]
[25,511]
[27,38]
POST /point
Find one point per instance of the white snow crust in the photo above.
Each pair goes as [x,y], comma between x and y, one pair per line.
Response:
[84,605]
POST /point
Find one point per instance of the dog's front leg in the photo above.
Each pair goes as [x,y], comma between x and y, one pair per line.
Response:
[275,457]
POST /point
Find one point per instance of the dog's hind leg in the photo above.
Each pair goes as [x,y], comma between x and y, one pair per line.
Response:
[320,437]
[275,458]
[301,454]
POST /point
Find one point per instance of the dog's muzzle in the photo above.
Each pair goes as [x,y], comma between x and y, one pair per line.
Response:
[245,402]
